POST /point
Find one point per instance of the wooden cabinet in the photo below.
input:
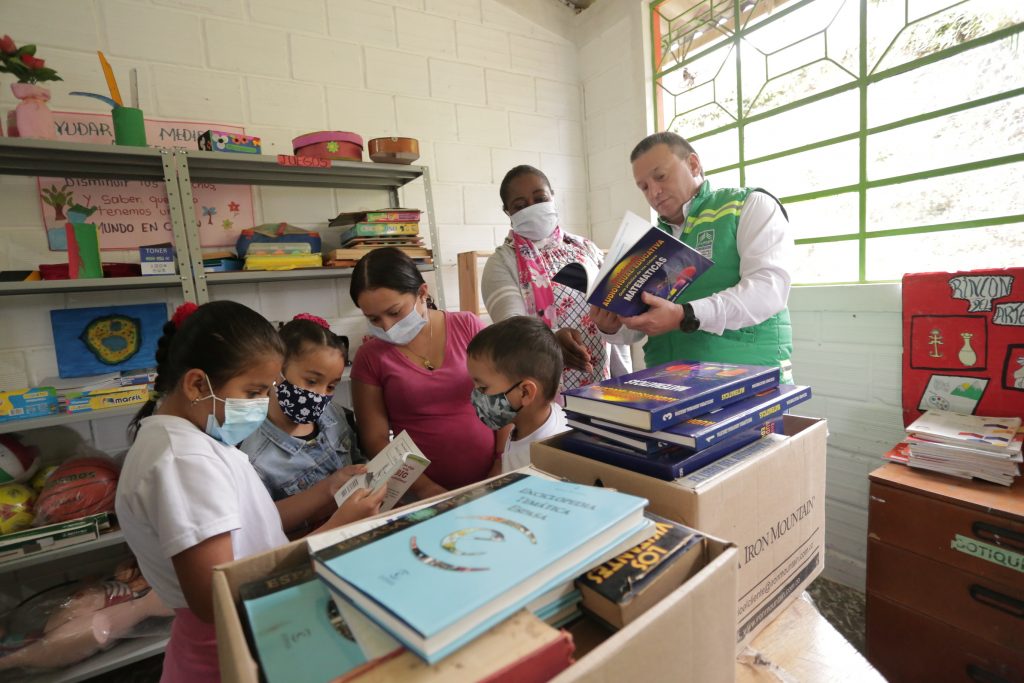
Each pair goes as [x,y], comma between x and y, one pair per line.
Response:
[945,578]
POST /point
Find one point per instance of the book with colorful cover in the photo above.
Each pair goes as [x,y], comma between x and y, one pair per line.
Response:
[664,395]
[397,215]
[298,633]
[439,577]
[704,430]
[644,259]
[623,588]
[994,434]
[668,463]
[899,453]
[378,230]
[397,466]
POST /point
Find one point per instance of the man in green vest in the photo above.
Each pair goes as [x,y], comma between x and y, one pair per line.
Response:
[736,311]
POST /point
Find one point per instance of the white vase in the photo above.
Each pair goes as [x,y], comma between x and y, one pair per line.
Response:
[967,355]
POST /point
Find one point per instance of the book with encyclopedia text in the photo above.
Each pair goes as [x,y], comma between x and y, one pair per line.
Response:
[668,463]
[438,577]
[644,259]
[702,431]
[661,396]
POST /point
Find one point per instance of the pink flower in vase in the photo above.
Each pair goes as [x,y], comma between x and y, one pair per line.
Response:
[33,62]
[7,45]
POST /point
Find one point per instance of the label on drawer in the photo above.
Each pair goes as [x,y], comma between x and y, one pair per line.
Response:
[989,553]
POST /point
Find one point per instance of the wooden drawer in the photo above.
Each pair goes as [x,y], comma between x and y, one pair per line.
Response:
[989,609]
[908,647]
[931,527]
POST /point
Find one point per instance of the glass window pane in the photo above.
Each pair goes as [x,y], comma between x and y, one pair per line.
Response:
[690,27]
[970,75]
[724,179]
[972,135]
[817,169]
[824,262]
[888,258]
[813,17]
[836,215]
[986,193]
[720,149]
[821,120]
[703,92]
[932,28]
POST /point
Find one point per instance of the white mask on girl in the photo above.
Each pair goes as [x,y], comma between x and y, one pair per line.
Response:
[536,222]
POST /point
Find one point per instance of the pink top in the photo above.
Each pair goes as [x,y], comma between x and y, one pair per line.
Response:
[433,406]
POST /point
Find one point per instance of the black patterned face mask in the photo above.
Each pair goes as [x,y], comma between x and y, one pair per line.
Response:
[301,406]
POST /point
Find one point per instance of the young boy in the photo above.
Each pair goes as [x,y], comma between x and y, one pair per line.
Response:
[516,366]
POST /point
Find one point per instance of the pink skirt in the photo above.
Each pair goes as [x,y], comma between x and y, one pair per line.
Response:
[191,655]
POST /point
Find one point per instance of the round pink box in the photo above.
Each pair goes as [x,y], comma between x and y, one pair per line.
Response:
[329,144]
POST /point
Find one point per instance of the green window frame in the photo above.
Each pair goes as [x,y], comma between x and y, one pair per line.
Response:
[678,25]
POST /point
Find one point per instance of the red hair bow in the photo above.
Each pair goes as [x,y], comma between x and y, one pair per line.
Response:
[313,319]
[182,312]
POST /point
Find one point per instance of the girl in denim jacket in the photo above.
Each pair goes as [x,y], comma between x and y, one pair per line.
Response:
[305,450]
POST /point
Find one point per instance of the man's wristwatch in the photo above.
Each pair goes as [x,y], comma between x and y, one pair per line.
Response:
[689,323]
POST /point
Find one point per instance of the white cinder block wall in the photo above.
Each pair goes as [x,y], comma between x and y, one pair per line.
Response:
[484,85]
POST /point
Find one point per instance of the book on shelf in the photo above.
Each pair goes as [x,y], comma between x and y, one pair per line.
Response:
[623,588]
[664,395]
[669,463]
[991,434]
[397,466]
[898,453]
[350,218]
[641,259]
[127,396]
[702,431]
[359,252]
[296,629]
[394,241]
[52,536]
[378,230]
[440,576]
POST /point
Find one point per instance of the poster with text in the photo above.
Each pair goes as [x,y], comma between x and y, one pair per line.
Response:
[131,213]
[963,343]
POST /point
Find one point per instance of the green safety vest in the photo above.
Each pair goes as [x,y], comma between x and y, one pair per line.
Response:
[710,228]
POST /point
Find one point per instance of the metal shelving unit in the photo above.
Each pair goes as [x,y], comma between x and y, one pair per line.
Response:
[92,285]
[215,167]
[105,540]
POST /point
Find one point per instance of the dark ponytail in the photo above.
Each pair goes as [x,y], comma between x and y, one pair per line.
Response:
[220,338]
[386,268]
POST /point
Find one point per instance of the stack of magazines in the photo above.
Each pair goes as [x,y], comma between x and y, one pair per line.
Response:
[966,446]
[672,419]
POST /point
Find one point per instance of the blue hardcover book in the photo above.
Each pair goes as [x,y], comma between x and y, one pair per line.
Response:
[667,394]
[296,629]
[644,259]
[669,463]
[438,577]
[703,431]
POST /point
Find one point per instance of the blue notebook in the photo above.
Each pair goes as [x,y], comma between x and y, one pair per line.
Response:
[438,577]
[668,463]
[666,394]
[702,431]
[298,633]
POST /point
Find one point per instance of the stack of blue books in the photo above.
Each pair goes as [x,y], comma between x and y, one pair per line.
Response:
[436,578]
[672,419]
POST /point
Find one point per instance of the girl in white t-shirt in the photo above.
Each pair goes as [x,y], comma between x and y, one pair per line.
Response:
[187,499]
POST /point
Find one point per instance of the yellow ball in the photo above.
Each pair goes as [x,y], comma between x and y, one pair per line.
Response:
[15,507]
[39,480]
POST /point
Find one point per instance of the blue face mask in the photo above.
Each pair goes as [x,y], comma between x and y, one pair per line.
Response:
[242,417]
[402,332]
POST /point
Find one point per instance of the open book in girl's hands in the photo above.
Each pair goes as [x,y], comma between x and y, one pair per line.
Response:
[397,467]
[642,258]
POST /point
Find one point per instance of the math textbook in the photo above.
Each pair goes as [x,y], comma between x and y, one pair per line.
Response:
[644,259]
[668,463]
[666,394]
[705,430]
[438,577]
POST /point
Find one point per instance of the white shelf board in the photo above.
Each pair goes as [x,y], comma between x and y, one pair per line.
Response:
[125,652]
[66,418]
[106,540]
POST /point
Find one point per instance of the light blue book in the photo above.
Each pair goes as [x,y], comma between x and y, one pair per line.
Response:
[439,577]
[297,629]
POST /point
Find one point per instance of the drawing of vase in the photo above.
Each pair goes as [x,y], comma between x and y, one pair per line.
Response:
[967,355]
[31,118]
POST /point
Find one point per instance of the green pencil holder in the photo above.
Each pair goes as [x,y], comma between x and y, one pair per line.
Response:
[129,127]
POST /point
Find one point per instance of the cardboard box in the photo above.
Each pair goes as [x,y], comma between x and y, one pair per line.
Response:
[219,141]
[157,259]
[770,503]
[698,616]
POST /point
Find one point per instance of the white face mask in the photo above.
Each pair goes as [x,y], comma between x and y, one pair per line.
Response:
[536,222]
[402,332]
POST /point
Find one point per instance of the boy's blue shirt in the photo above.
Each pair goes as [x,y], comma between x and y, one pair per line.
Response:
[289,464]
